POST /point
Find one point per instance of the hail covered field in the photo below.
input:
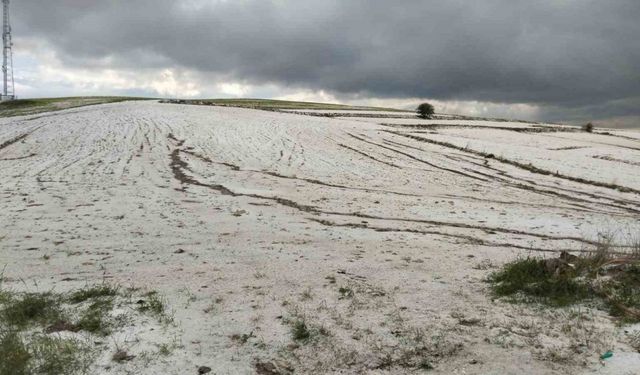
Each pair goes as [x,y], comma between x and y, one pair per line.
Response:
[375,229]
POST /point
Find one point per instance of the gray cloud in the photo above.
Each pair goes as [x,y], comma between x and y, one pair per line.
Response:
[571,56]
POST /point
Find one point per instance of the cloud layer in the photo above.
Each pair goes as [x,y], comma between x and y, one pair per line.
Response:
[573,58]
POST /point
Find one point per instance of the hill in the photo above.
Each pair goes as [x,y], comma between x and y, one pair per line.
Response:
[173,238]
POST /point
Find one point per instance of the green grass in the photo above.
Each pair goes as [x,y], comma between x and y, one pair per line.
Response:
[14,356]
[282,104]
[613,280]
[98,291]
[155,305]
[23,107]
[300,331]
[45,355]
[94,319]
[529,279]
[624,293]
[304,332]
[31,308]
[29,321]
[54,355]
[346,292]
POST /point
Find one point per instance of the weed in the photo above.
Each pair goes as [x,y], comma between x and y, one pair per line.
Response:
[54,355]
[5,297]
[623,293]
[15,356]
[45,355]
[345,292]
[154,305]
[94,292]
[570,279]
[426,365]
[306,295]
[530,277]
[165,350]
[94,318]
[300,331]
[30,308]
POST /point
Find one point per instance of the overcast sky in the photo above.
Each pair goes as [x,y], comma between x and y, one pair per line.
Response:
[561,60]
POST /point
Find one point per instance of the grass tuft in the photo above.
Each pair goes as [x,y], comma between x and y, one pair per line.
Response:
[47,355]
[29,321]
[53,355]
[611,276]
[31,308]
[530,278]
[94,318]
[14,356]
[300,331]
[94,292]
[155,305]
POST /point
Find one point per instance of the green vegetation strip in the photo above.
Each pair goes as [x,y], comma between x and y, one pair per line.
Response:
[24,107]
[269,104]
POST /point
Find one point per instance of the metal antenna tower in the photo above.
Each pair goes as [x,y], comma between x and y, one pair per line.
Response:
[8,92]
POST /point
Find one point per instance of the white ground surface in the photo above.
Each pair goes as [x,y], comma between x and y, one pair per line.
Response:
[270,208]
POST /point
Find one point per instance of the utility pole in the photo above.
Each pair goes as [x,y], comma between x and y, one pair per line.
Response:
[8,88]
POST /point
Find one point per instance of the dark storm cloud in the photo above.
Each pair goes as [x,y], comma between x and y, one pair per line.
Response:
[566,53]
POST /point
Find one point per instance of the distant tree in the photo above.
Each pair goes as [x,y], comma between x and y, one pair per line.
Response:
[588,128]
[425,110]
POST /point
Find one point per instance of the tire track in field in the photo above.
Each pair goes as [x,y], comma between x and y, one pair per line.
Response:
[308,180]
[369,156]
[529,168]
[507,179]
[19,138]
[418,159]
[469,239]
[179,167]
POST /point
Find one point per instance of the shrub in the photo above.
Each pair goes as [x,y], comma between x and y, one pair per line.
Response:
[588,128]
[425,110]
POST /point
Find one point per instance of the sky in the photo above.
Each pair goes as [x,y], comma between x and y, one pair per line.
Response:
[546,60]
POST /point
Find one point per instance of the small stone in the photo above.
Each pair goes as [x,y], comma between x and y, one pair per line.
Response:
[204,370]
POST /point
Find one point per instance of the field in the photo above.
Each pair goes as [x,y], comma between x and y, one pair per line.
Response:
[268,104]
[244,240]
[34,106]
